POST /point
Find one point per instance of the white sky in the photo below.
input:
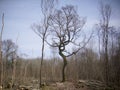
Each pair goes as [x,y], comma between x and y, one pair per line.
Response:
[21,14]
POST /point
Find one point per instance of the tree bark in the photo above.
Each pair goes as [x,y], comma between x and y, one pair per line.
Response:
[40,83]
[106,59]
[64,66]
[13,72]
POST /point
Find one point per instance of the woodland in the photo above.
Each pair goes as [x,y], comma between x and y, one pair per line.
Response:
[78,65]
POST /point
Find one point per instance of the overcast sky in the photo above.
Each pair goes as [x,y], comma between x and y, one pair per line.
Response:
[21,14]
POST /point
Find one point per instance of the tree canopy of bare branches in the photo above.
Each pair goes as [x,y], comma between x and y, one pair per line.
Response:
[65,29]
[9,48]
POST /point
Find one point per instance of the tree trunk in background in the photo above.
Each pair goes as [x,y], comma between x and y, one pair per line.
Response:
[1,61]
[105,28]
[106,59]
[14,70]
[41,63]
[1,70]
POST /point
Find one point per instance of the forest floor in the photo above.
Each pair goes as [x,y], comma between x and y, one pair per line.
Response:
[68,85]
[65,86]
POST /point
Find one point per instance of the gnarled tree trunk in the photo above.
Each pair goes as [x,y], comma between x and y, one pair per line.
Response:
[64,65]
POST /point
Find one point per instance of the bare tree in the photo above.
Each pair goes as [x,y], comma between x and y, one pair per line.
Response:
[116,59]
[105,12]
[14,60]
[41,29]
[65,30]
[1,62]
[9,49]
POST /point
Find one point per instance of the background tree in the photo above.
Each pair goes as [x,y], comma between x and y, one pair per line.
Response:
[104,31]
[42,29]
[1,62]
[115,59]
[65,30]
[9,49]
